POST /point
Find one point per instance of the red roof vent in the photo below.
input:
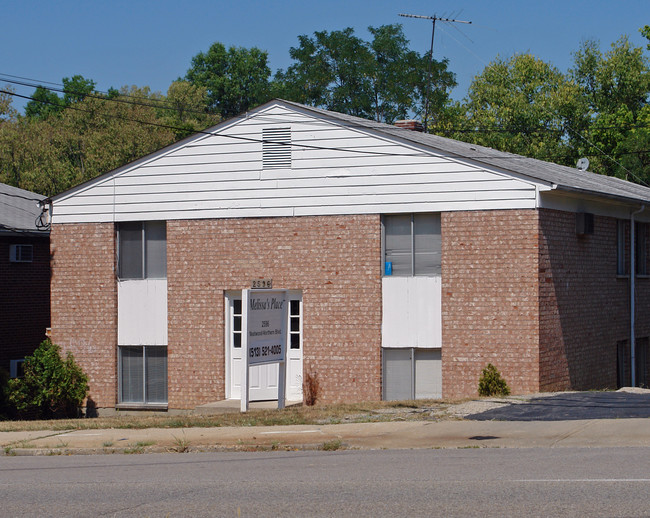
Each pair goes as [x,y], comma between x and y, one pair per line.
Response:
[412,125]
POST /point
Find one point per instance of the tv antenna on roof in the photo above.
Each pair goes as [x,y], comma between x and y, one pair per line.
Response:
[433,19]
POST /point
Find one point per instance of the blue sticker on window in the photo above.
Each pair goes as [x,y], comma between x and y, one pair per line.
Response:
[388,268]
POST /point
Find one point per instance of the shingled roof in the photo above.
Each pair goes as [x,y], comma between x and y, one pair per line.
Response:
[557,176]
[19,210]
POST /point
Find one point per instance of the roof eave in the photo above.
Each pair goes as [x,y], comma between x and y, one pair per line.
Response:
[599,194]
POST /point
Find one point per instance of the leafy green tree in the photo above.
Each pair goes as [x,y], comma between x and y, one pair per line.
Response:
[52,387]
[382,79]
[76,88]
[185,108]
[332,70]
[522,105]
[7,112]
[94,136]
[236,78]
[43,104]
[633,151]
[616,86]
[645,32]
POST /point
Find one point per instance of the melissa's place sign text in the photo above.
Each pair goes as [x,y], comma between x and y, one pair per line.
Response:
[267,324]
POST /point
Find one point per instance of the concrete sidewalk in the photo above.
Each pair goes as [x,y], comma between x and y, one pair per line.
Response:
[390,435]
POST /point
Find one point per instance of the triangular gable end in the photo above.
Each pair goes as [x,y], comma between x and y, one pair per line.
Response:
[283,160]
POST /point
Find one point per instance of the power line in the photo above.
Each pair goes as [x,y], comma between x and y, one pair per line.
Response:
[447,131]
[121,99]
[151,102]
[304,146]
[433,32]
[36,83]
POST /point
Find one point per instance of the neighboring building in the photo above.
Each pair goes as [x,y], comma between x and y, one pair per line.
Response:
[413,261]
[24,277]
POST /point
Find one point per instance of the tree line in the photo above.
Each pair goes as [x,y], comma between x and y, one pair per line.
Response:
[597,109]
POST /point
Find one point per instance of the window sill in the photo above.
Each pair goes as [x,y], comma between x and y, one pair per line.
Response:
[637,276]
[141,406]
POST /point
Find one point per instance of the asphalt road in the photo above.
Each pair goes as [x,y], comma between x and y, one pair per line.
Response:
[569,406]
[468,482]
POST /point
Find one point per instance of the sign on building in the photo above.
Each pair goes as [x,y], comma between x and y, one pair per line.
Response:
[264,315]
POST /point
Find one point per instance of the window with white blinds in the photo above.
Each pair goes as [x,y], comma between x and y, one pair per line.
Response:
[412,244]
[142,250]
[143,374]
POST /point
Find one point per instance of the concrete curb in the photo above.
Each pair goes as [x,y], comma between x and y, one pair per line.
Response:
[593,433]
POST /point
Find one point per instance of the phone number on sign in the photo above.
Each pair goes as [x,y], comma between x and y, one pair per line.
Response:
[266,350]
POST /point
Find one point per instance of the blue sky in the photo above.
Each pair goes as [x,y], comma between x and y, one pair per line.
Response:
[151,43]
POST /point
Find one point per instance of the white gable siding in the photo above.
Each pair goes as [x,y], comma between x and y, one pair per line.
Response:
[335,170]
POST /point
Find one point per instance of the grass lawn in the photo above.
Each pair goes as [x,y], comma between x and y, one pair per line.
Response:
[319,414]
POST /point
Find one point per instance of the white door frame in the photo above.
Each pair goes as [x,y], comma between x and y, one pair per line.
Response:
[294,357]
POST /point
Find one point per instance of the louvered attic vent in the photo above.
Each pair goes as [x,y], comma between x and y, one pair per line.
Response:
[276,148]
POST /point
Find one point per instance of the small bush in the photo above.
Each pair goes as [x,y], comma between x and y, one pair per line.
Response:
[310,388]
[51,387]
[491,383]
[5,407]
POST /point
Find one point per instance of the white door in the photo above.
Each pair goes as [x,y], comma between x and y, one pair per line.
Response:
[263,379]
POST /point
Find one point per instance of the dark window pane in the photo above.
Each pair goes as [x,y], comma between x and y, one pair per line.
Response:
[294,341]
[156,374]
[295,324]
[295,308]
[236,324]
[131,364]
[236,307]
[236,340]
[620,247]
[640,252]
[130,251]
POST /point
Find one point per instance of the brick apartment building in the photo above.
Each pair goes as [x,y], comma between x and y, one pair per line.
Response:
[24,277]
[412,262]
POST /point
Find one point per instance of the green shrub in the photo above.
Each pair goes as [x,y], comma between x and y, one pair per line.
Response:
[5,408]
[491,383]
[51,387]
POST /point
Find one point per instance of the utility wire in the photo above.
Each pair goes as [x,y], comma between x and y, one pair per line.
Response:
[35,83]
[576,133]
[271,141]
[122,98]
[106,96]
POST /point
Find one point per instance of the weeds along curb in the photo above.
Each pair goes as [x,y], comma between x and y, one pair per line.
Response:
[57,452]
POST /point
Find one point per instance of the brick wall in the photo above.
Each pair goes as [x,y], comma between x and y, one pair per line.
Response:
[489,299]
[584,306]
[24,298]
[84,302]
[334,260]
